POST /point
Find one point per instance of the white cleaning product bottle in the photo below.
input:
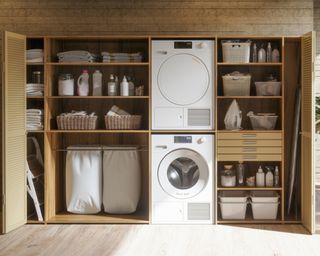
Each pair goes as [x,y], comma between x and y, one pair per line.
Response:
[276,177]
[254,53]
[260,177]
[131,86]
[112,89]
[269,178]
[97,83]
[124,87]
[261,55]
[83,84]
[269,52]
[275,55]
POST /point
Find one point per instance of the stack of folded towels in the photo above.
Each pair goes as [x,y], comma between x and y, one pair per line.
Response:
[35,89]
[116,111]
[34,119]
[76,56]
[35,56]
[121,57]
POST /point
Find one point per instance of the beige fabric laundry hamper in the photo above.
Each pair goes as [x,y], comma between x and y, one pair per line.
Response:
[121,179]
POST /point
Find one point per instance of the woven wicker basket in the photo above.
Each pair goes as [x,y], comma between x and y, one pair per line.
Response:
[125,122]
[77,122]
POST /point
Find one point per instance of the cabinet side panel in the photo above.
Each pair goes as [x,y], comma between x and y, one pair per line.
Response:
[14,140]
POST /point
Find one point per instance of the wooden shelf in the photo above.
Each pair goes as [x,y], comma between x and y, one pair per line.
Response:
[98,97]
[35,64]
[249,97]
[97,63]
[250,131]
[250,64]
[65,217]
[35,97]
[35,131]
[250,188]
[183,131]
[97,131]
[249,221]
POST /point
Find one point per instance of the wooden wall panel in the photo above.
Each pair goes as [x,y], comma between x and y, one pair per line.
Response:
[89,17]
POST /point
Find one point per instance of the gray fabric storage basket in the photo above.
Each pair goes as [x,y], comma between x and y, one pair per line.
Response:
[121,179]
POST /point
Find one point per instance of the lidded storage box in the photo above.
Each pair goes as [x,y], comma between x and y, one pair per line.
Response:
[236,84]
[233,204]
[236,52]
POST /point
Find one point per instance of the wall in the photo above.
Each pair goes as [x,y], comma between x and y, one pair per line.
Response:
[88,17]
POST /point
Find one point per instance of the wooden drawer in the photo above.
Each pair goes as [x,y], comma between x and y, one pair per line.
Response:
[249,136]
[248,157]
[249,150]
[240,143]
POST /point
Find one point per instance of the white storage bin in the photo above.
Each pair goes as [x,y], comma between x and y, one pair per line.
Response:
[84,179]
[233,205]
[236,84]
[269,88]
[264,205]
[262,121]
[121,179]
[234,52]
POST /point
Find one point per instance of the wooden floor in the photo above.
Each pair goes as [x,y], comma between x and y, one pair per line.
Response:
[157,240]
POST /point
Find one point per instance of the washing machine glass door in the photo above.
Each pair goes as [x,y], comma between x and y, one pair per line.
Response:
[183,173]
[183,79]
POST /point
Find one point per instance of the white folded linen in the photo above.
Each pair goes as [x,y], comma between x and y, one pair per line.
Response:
[35,111]
[35,60]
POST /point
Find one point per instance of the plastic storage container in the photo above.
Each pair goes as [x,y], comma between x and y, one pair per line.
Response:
[233,204]
[228,176]
[121,179]
[83,179]
[269,88]
[262,121]
[235,52]
[236,84]
[264,205]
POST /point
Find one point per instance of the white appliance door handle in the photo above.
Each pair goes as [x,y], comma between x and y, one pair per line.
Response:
[162,146]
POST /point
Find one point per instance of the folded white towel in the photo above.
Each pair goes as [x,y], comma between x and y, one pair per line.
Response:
[35,111]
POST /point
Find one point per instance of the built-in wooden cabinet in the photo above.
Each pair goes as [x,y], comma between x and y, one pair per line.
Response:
[254,147]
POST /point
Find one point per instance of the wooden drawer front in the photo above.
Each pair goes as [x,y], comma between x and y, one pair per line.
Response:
[241,143]
[248,157]
[249,150]
[249,136]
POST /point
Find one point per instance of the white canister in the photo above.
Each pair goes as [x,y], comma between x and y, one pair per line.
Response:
[66,85]
[124,87]
[97,83]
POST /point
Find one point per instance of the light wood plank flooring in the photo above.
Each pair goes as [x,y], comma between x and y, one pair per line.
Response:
[157,240]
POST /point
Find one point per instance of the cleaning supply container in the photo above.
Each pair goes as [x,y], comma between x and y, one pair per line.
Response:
[84,179]
[268,88]
[236,84]
[236,52]
[233,204]
[262,121]
[264,205]
[121,179]
[83,84]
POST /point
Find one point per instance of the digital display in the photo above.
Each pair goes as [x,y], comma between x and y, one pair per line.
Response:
[182,139]
[182,45]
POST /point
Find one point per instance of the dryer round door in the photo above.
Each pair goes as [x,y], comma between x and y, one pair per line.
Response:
[183,173]
[183,79]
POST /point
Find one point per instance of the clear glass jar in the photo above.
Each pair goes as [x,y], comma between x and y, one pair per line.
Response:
[228,176]
[36,77]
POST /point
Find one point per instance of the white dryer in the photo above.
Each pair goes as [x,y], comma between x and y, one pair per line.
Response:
[182,179]
[182,84]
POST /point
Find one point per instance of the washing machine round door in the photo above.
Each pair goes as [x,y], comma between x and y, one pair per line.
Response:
[183,173]
[183,79]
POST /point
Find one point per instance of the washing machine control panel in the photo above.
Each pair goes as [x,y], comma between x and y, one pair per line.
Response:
[182,139]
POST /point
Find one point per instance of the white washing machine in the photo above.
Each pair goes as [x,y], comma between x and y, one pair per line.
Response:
[182,84]
[182,179]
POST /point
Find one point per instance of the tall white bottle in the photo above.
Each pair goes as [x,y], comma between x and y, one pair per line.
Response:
[97,83]
[275,55]
[276,177]
[261,55]
[269,52]
[83,84]
[269,178]
[260,177]
[124,87]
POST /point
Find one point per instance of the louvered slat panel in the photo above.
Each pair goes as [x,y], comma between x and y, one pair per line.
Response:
[307,126]
[14,211]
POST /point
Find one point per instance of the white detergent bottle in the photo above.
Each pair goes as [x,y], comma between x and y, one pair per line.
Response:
[97,83]
[269,178]
[260,177]
[275,55]
[124,87]
[83,84]
[262,55]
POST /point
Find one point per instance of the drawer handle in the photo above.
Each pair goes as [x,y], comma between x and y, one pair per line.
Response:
[249,157]
[162,146]
[250,142]
[249,149]
[249,135]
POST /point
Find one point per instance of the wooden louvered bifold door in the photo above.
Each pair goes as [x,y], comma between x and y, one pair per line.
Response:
[14,139]
[308,129]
